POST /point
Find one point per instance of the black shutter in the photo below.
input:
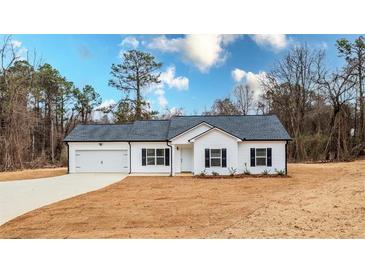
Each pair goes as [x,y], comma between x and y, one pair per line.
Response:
[268,153]
[253,157]
[167,157]
[224,157]
[207,157]
[143,156]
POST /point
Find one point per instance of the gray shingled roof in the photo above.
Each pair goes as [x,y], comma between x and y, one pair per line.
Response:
[99,133]
[151,130]
[251,127]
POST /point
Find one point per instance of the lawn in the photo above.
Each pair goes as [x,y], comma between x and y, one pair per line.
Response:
[316,201]
[32,174]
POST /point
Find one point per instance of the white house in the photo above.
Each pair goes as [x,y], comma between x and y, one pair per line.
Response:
[181,144]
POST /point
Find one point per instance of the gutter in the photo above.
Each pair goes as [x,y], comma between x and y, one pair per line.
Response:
[286,158]
[130,159]
[171,160]
[68,158]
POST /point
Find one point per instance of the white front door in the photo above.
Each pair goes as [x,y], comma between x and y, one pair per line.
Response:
[187,159]
[102,161]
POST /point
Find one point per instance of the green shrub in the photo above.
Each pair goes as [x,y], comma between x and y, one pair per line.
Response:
[265,172]
[232,171]
[203,173]
[214,173]
[246,171]
[280,172]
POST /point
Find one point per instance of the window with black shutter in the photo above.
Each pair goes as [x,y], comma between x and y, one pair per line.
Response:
[167,156]
[143,156]
[224,157]
[155,157]
[215,157]
[252,157]
[261,156]
[207,157]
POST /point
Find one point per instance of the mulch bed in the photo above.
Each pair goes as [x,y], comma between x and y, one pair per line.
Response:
[241,176]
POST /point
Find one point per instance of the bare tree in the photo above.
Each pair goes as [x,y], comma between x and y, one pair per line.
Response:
[354,54]
[169,113]
[289,89]
[223,106]
[243,96]
[338,90]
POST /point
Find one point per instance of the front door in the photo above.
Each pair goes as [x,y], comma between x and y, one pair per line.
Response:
[187,160]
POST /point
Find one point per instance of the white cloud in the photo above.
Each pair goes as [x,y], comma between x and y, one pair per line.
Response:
[164,44]
[19,50]
[203,51]
[130,42]
[107,103]
[252,80]
[15,43]
[168,77]
[168,81]
[162,101]
[273,41]
[175,110]
[97,115]
[238,74]
[229,38]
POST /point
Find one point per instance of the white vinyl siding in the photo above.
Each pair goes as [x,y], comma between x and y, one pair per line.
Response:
[136,158]
[277,156]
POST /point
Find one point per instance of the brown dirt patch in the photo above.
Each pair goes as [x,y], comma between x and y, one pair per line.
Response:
[32,174]
[317,201]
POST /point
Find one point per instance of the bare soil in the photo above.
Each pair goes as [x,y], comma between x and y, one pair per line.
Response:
[32,174]
[315,201]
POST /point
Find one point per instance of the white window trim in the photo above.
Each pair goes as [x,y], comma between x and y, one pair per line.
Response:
[155,157]
[261,157]
[220,157]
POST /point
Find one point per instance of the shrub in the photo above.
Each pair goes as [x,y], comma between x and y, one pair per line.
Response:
[280,172]
[203,173]
[232,171]
[265,172]
[246,171]
[214,173]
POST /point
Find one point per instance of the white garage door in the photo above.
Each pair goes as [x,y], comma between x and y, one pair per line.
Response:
[102,161]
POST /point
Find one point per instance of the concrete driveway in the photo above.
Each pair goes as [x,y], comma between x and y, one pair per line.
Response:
[19,197]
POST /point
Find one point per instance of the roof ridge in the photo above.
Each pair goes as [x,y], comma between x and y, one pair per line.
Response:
[105,124]
[225,115]
[152,120]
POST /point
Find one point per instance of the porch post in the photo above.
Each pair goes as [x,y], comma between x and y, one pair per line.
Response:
[173,160]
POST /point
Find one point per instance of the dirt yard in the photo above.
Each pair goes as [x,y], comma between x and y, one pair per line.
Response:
[317,201]
[32,174]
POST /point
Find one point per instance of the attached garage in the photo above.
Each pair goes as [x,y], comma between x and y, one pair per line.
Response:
[101,160]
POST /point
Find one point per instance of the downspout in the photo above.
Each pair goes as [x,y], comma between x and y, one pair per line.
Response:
[286,158]
[167,143]
[130,160]
[68,158]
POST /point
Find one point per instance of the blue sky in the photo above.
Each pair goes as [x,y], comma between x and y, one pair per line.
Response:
[196,69]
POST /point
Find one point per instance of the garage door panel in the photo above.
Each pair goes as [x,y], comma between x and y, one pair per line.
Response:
[101,161]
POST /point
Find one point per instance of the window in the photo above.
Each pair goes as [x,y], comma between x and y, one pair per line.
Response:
[215,157]
[155,156]
[260,156]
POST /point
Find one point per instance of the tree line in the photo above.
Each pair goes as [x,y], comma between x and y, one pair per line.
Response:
[38,108]
[322,108]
